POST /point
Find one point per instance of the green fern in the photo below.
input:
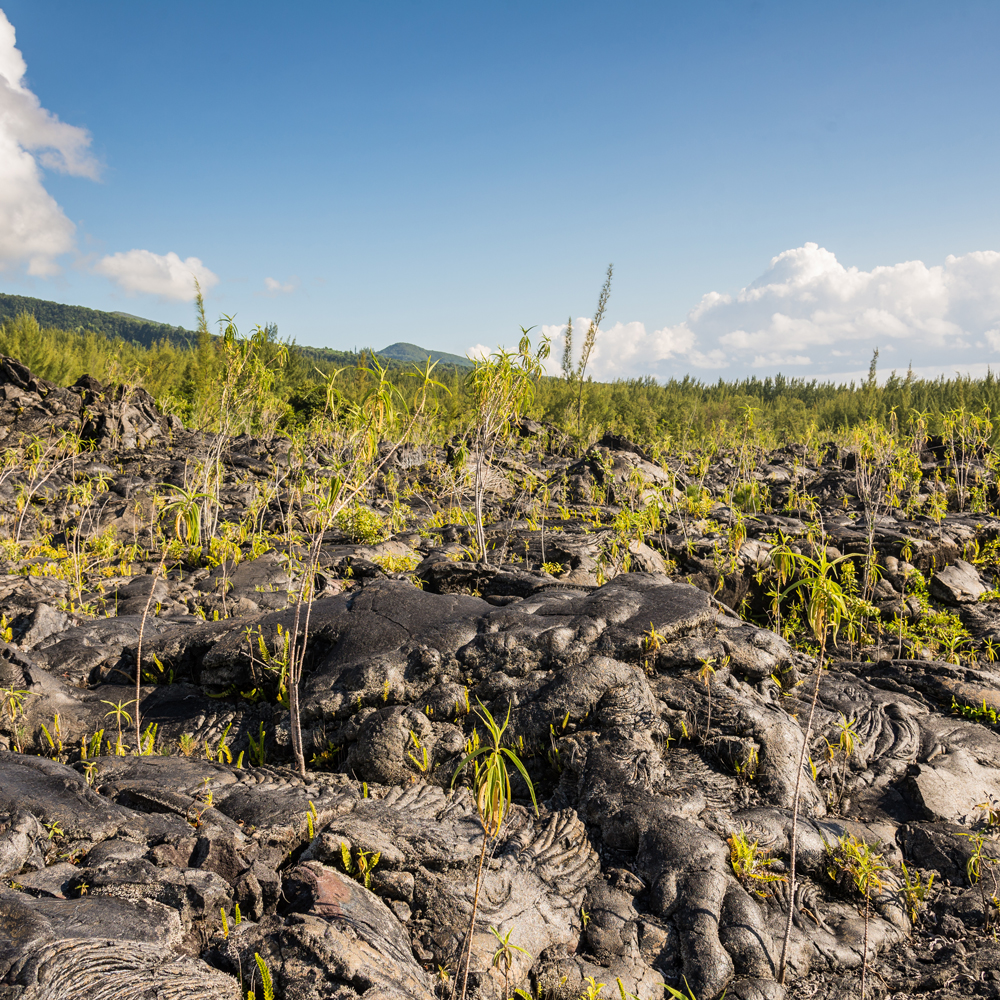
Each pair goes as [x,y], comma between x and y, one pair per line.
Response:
[265,977]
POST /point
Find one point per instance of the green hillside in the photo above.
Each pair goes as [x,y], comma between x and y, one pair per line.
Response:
[148,332]
[411,354]
[112,324]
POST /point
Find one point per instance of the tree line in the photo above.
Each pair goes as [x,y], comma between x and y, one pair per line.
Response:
[184,378]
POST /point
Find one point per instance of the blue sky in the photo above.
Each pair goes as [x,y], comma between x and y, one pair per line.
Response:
[780,186]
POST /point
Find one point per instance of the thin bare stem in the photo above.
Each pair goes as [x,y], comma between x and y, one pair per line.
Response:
[138,652]
[795,812]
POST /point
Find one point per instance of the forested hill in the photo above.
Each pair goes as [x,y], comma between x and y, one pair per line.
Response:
[112,324]
[147,332]
[411,354]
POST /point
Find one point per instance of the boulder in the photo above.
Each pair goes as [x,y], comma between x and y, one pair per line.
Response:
[958,583]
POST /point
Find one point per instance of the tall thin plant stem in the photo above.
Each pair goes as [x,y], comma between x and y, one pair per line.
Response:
[491,788]
[502,386]
[467,950]
[864,963]
[825,608]
[795,814]
[138,652]
[345,488]
[588,342]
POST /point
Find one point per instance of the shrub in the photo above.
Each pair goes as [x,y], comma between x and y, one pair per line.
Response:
[362,524]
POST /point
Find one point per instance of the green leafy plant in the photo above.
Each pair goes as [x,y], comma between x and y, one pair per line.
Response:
[676,994]
[492,792]
[980,866]
[706,673]
[221,753]
[500,387]
[983,713]
[360,865]
[184,508]
[650,643]
[751,864]
[118,710]
[825,609]
[503,957]
[12,702]
[864,867]
[93,747]
[990,809]
[147,741]
[397,564]
[265,978]
[746,769]
[54,738]
[844,749]
[422,762]
[915,891]
[624,993]
[258,752]
[362,524]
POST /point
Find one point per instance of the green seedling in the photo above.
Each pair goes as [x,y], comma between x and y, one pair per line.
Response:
[491,788]
[751,864]
[503,957]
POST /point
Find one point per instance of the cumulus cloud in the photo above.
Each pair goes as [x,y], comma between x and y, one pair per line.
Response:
[626,350]
[274,287]
[146,273]
[34,230]
[810,313]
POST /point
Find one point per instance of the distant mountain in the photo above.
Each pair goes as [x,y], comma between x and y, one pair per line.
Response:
[148,332]
[410,353]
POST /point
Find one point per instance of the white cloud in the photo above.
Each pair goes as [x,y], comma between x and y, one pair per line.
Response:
[146,273]
[808,309]
[275,287]
[776,360]
[34,230]
[480,351]
[626,350]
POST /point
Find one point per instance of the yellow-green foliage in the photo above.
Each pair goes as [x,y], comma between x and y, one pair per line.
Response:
[397,564]
[678,414]
[751,863]
[362,524]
